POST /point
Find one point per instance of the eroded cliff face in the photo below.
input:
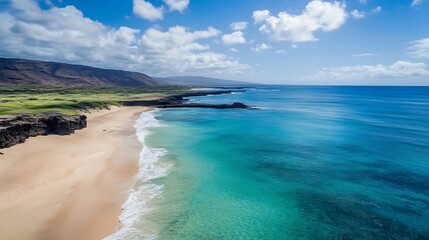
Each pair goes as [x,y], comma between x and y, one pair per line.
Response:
[17,129]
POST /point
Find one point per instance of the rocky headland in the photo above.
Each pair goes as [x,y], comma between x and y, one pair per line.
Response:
[182,101]
[16,129]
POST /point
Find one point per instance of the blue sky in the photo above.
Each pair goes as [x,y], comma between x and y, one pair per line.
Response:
[359,42]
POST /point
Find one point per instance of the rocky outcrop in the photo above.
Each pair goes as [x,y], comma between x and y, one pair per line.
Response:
[181,101]
[236,105]
[17,129]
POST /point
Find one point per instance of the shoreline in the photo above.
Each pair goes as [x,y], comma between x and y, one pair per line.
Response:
[15,129]
[70,187]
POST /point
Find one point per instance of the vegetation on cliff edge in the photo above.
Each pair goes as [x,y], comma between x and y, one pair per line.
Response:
[35,101]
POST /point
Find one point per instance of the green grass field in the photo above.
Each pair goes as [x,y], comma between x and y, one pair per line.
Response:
[35,101]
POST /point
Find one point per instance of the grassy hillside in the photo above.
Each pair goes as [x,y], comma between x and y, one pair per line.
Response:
[23,72]
[38,100]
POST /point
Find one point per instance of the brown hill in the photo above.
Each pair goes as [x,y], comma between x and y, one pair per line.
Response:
[30,72]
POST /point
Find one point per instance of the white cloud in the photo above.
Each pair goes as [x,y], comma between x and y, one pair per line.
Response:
[365,55]
[177,5]
[317,15]
[356,14]
[238,26]
[236,37]
[66,35]
[177,36]
[363,1]
[261,15]
[376,10]
[25,5]
[146,10]
[233,50]
[400,69]
[416,3]
[260,47]
[178,50]
[419,48]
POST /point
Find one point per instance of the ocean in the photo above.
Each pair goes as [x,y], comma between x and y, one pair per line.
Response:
[311,163]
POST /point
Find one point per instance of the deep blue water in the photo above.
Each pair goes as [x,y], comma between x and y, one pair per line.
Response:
[313,163]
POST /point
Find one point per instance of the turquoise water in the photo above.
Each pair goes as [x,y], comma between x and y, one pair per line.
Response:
[313,163]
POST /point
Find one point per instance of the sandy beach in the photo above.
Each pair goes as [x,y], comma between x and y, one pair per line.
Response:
[70,187]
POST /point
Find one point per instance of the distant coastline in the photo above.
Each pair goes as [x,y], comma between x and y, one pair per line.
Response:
[16,129]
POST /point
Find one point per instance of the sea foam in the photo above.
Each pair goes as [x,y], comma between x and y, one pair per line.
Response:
[144,190]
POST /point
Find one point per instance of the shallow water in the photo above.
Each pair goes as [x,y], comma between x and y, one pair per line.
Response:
[313,163]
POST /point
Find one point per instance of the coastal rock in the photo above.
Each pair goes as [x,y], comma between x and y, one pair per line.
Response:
[181,101]
[236,105]
[16,129]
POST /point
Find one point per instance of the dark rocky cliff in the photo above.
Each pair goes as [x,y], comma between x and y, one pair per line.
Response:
[17,129]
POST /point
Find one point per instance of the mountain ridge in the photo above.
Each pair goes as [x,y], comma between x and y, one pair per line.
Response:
[16,71]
